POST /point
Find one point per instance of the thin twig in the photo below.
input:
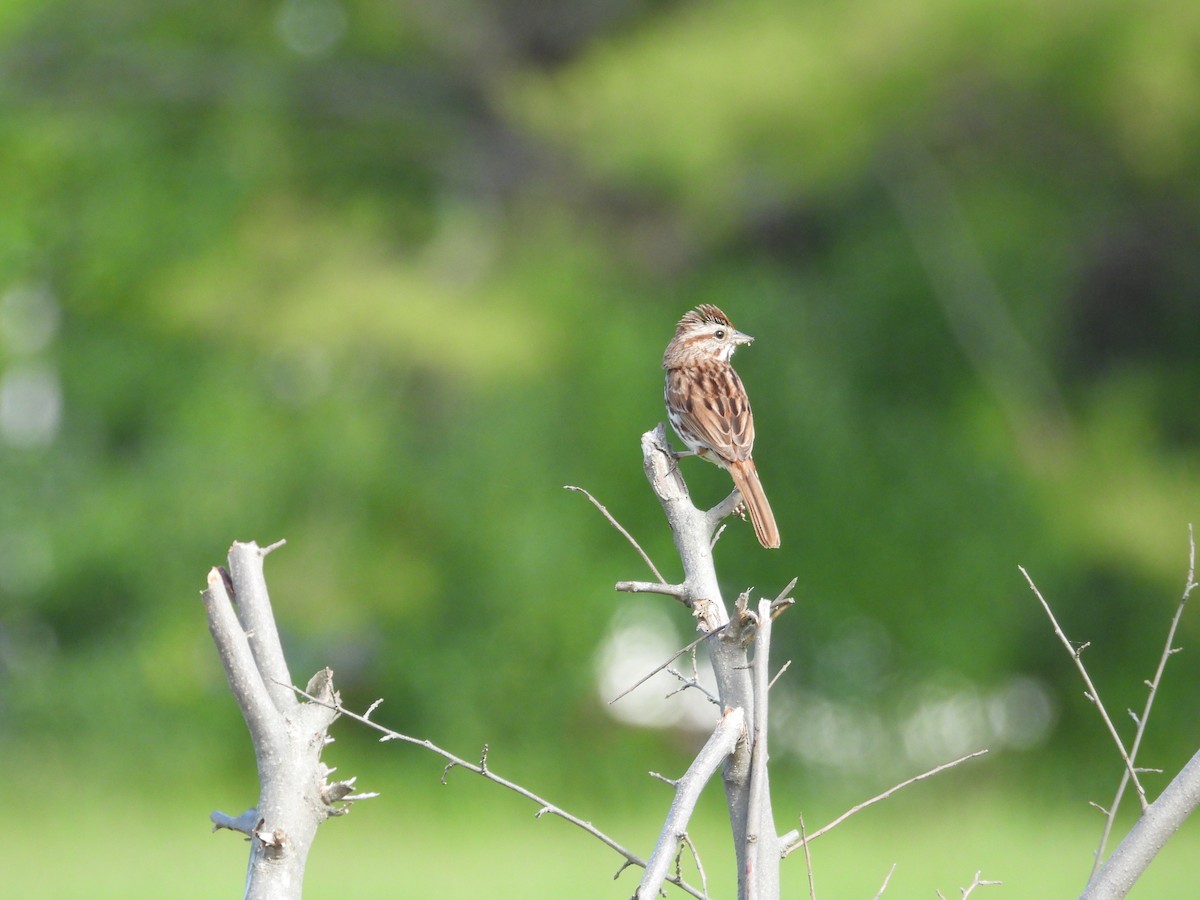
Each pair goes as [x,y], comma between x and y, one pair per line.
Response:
[686,840]
[678,653]
[617,525]
[883,887]
[782,669]
[792,839]
[1092,693]
[729,730]
[544,806]
[1169,650]
[694,682]
[716,536]
[975,882]
[812,886]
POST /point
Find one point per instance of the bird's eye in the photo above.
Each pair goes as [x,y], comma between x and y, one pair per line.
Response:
[720,334]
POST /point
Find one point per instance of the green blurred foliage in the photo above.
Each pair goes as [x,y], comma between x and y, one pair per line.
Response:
[380,278]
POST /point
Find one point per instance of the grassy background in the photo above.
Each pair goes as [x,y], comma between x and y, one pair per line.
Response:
[115,837]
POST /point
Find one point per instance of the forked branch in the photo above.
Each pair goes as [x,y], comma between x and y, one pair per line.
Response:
[545,807]
[1169,650]
[288,736]
[1162,818]
[716,750]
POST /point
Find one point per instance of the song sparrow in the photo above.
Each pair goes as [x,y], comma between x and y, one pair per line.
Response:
[709,410]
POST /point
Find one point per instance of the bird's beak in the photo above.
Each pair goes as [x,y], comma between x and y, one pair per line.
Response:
[739,338]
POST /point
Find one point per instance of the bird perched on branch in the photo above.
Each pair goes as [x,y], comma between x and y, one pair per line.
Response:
[709,409]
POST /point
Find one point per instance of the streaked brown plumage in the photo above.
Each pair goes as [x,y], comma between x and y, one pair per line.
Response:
[709,410]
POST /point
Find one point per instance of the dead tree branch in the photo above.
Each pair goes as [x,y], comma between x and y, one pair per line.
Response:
[288,736]
[730,730]
[621,528]
[762,844]
[1162,818]
[545,807]
[1169,650]
[1092,694]
[794,839]
[747,788]
[1149,834]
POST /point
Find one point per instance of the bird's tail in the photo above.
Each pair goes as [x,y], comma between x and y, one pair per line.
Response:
[745,478]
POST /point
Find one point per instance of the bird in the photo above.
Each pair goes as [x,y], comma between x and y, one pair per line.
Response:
[709,410]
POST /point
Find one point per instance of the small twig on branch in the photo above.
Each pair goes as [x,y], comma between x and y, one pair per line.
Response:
[1092,694]
[1169,649]
[617,525]
[722,511]
[692,681]
[678,653]
[812,885]
[716,536]
[1148,836]
[716,750]
[247,823]
[686,841]
[970,888]
[883,887]
[678,591]
[544,806]
[782,601]
[793,840]
[787,665]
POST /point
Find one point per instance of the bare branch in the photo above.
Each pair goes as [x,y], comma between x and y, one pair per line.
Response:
[1168,651]
[374,706]
[783,600]
[812,885]
[617,525]
[288,736]
[720,744]
[787,665]
[1149,834]
[257,618]
[1092,693]
[693,682]
[678,591]
[716,536]
[245,680]
[686,841]
[247,823]
[793,840]
[544,806]
[723,510]
[678,653]
[761,837]
[976,882]
[882,887]
[693,531]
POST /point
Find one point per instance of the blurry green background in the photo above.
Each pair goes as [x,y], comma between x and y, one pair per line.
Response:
[381,277]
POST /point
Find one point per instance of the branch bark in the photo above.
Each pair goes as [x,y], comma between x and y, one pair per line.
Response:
[288,736]
[725,737]
[762,842]
[693,530]
[1160,820]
